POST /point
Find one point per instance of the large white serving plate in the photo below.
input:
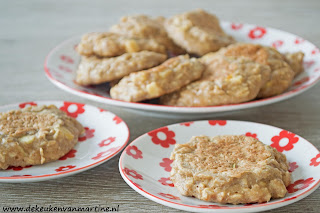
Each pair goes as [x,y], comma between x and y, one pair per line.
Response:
[62,62]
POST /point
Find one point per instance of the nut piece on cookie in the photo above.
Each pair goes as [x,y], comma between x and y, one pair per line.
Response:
[145,27]
[229,169]
[198,32]
[36,135]
[281,73]
[165,78]
[112,44]
[226,80]
[295,61]
[94,70]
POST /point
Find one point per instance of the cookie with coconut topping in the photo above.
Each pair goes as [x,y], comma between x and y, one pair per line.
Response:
[36,135]
[295,61]
[226,80]
[229,169]
[95,70]
[146,27]
[165,78]
[281,73]
[198,32]
[112,44]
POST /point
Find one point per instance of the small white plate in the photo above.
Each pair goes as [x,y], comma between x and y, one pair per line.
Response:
[145,163]
[62,62]
[106,135]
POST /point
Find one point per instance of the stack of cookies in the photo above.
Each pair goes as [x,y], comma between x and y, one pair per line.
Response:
[145,58]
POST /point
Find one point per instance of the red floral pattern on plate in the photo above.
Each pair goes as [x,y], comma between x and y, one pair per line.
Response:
[315,51]
[235,26]
[315,161]
[89,133]
[21,175]
[166,182]
[277,44]
[166,164]
[65,168]
[107,142]
[105,153]
[293,166]
[66,69]
[217,122]
[23,105]
[133,173]
[102,110]
[292,139]
[134,152]
[303,80]
[253,135]
[169,196]
[165,143]
[74,113]
[58,75]
[298,40]
[257,32]
[18,168]
[186,123]
[70,154]
[308,64]
[117,120]
[299,185]
[67,59]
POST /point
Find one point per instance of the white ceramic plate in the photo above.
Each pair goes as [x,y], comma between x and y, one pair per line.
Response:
[106,135]
[61,65]
[145,163]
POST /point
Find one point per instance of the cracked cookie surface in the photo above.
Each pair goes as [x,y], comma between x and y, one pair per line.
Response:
[226,80]
[229,169]
[95,70]
[281,73]
[165,78]
[36,135]
[146,27]
[112,44]
[198,32]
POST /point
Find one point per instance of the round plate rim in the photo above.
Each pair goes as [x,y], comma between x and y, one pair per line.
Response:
[68,172]
[173,204]
[176,109]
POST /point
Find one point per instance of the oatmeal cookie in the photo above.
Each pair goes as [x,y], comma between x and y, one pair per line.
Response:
[95,70]
[165,78]
[295,61]
[229,169]
[112,44]
[36,135]
[281,73]
[226,80]
[142,26]
[198,32]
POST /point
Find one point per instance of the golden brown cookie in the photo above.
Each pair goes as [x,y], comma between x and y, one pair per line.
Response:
[36,135]
[165,78]
[295,61]
[94,70]
[198,32]
[229,169]
[142,26]
[112,44]
[281,73]
[226,80]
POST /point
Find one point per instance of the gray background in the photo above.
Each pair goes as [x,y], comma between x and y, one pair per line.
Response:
[30,29]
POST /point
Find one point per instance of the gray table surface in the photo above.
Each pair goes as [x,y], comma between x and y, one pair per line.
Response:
[30,29]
